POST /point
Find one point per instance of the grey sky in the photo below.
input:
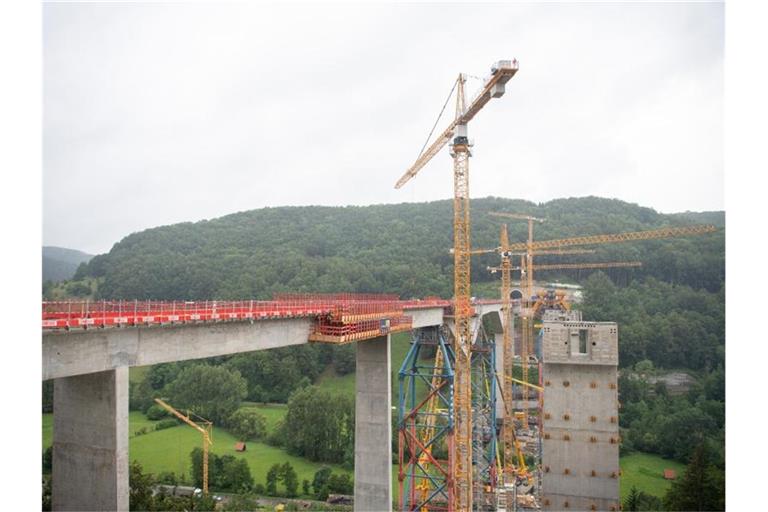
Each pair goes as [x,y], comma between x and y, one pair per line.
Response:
[156,114]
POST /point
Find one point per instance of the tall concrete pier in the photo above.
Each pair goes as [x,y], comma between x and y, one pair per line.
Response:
[580,432]
[90,441]
[373,426]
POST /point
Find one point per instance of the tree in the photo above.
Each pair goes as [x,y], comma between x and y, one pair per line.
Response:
[233,473]
[48,395]
[247,424]
[344,359]
[46,494]
[631,501]
[305,487]
[48,460]
[240,502]
[701,487]
[272,476]
[224,472]
[319,425]
[320,483]
[290,480]
[340,484]
[212,392]
[140,495]
[155,412]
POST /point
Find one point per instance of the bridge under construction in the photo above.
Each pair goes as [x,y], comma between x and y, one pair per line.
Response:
[482,425]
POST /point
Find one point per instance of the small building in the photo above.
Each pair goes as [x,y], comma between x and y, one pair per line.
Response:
[240,446]
[670,474]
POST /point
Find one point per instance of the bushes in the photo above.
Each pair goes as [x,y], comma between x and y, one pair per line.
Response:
[287,475]
[247,425]
[156,412]
[325,482]
[225,472]
[169,423]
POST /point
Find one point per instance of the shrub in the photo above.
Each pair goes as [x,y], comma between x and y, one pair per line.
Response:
[169,423]
[156,412]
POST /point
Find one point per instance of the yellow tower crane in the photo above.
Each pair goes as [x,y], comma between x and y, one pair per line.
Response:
[456,133]
[511,446]
[206,430]
[506,249]
[526,307]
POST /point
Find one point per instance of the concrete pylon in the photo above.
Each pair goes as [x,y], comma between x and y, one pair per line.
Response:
[90,441]
[373,426]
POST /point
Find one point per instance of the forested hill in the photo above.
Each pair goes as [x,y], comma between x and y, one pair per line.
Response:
[399,248]
[60,263]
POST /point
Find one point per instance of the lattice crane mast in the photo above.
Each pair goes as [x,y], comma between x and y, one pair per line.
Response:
[526,307]
[206,430]
[460,496]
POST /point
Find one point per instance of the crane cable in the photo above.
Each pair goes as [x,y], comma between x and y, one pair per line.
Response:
[450,94]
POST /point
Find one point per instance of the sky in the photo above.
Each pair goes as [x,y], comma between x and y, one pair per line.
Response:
[155,114]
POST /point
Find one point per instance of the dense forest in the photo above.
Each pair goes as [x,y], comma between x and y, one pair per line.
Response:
[399,249]
[671,311]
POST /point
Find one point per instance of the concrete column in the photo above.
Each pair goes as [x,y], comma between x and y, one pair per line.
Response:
[90,441]
[373,426]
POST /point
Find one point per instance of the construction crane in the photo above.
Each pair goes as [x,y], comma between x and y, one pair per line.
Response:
[506,251]
[508,356]
[206,430]
[526,311]
[510,443]
[456,133]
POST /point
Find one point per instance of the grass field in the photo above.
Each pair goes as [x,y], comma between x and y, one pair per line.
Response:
[272,413]
[645,471]
[168,450]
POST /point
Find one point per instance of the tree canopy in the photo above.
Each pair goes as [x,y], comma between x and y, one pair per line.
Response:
[401,248]
[213,392]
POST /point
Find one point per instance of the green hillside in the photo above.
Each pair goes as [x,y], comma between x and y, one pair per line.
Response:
[401,248]
[60,263]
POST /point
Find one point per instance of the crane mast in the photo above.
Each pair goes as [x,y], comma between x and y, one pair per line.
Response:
[526,313]
[508,354]
[462,461]
[460,455]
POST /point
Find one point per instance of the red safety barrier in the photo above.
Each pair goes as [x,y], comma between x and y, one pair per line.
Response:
[338,318]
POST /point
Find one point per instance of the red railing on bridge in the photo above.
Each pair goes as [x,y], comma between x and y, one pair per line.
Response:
[337,318]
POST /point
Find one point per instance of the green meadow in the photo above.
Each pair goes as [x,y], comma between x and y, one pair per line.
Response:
[646,472]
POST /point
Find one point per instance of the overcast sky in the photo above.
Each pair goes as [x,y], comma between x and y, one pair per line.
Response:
[156,114]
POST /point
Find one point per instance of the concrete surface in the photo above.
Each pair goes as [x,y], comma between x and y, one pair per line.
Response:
[373,426]
[95,350]
[78,352]
[90,442]
[580,458]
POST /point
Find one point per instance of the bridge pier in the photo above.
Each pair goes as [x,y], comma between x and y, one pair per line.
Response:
[373,426]
[90,441]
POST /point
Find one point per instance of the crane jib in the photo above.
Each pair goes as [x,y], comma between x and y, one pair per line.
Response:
[502,72]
